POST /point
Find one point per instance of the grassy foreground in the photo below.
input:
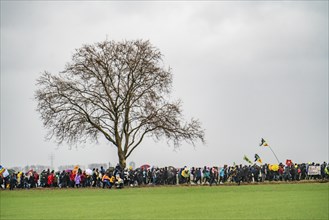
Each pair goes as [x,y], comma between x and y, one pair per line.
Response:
[277,201]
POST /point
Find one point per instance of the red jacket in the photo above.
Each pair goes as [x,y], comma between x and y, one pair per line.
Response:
[36,177]
[72,176]
[50,179]
[83,177]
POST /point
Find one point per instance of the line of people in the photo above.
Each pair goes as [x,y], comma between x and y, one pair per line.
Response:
[118,177]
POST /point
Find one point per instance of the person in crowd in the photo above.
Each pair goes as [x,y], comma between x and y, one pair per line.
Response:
[94,177]
[106,180]
[131,176]
[102,170]
[43,178]
[13,181]
[144,172]
[36,178]
[323,167]
[62,180]
[192,174]
[50,179]
[198,176]
[72,179]
[206,175]
[213,176]
[30,181]
[83,177]
[118,170]
[77,178]
[185,174]
[119,182]
[221,175]
[1,181]
[281,171]
[150,176]
[326,170]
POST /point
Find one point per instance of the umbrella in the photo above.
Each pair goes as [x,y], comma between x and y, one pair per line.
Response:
[110,169]
[11,171]
[145,166]
[30,171]
[68,170]
[89,172]
[171,168]
[274,167]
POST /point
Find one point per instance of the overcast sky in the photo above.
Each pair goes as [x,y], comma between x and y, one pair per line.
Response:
[247,70]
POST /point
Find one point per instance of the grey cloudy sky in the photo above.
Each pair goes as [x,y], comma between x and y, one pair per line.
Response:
[246,69]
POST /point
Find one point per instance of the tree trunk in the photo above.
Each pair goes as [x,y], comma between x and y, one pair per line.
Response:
[122,158]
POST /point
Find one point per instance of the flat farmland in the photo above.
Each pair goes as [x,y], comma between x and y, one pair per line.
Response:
[267,201]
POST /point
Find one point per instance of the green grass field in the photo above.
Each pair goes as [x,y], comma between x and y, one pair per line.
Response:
[268,201]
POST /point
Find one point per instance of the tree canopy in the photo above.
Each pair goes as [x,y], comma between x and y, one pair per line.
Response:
[116,89]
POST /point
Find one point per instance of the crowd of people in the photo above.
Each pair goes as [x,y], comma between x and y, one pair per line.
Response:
[117,177]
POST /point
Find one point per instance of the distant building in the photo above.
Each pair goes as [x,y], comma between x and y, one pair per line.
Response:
[70,167]
[37,168]
[97,165]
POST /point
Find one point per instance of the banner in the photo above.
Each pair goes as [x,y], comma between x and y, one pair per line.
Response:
[288,162]
[5,173]
[314,170]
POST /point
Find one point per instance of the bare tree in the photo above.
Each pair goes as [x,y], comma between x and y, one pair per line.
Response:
[116,89]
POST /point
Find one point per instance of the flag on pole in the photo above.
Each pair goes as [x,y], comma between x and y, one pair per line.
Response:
[263,143]
[258,159]
[75,169]
[5,174]
[247,159]
[2,170]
